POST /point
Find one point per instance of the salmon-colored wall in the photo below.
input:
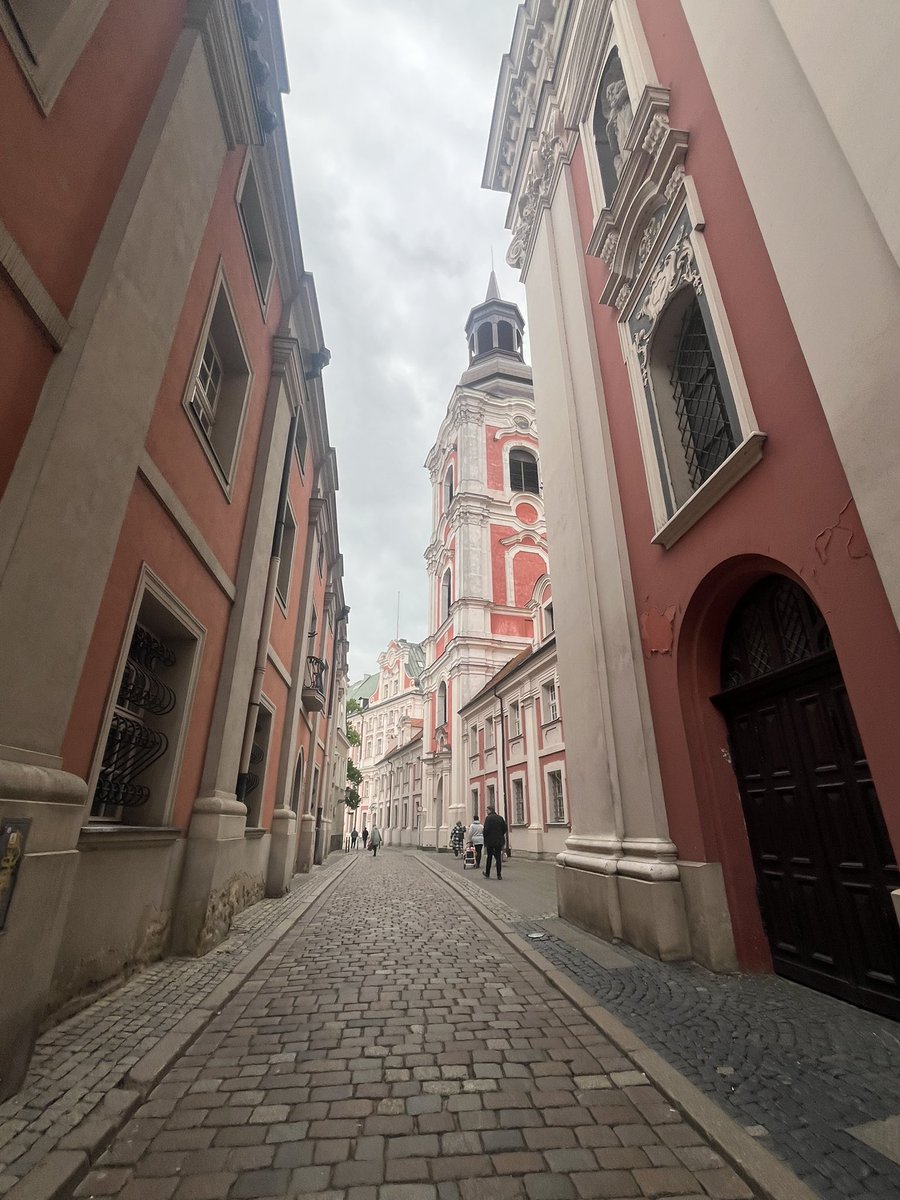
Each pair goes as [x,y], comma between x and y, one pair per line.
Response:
[59,178]
[511,626]
[496,476]
[285,623]
[791,510]
[27,356]
[171,440]
[528,567]
[61,172]
[148,534]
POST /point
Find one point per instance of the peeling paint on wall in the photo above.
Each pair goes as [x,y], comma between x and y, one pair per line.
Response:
[848,525]
[658,630]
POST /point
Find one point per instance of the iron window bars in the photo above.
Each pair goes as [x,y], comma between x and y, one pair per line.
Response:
[132,746]
[706,434]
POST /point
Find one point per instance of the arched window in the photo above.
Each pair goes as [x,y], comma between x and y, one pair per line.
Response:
[442,704]
[448,488]
[446,588]
[612,120]
[695,410]
[505,339]
[523,472]
[485,338]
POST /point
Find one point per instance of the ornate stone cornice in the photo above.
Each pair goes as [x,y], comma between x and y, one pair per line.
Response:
[651,182]
[553,146]
[219,25]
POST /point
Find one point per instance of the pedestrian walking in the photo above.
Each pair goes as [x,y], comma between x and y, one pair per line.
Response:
[365,836]
[494,834]
[457,838]
[354,834]
[476,837]
[374,840]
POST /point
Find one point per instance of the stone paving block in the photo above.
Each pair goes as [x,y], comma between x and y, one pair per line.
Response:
[665,1181]
[597,1185]
[252,1184]
[549,1187]
[405,1170]
[724,1184]
[407,1191]
[418,1145]
[347,1174]
[205,1187]
[461,1166]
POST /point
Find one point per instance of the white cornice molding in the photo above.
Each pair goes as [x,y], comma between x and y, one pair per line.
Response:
[219,26]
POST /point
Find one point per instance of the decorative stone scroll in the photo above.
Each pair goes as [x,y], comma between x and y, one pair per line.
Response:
[629,228]
[537,188]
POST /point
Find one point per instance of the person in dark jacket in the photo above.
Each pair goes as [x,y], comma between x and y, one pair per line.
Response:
[457,839]
[494,837]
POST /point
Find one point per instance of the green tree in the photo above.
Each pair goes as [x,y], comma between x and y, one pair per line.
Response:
[351,793]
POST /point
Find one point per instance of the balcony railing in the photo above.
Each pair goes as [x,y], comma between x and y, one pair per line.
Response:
[314,684]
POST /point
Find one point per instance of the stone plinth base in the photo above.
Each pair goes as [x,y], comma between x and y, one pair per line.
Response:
[306,843]
[54,803]
[282,851]
[708,918]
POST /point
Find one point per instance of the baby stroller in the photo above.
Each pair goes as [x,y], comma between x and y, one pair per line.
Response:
[469,856]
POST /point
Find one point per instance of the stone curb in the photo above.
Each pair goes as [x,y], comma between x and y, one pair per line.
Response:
[757,1166]
[63,1168]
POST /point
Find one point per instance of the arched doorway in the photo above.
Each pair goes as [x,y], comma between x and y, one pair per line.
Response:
[824,863]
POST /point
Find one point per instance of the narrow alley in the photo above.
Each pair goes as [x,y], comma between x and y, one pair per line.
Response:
[425,1059]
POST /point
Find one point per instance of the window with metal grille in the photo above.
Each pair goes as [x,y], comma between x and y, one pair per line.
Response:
[523,472]
[557,803]
[550,706]
[707,437]
[518,790]
[133,743]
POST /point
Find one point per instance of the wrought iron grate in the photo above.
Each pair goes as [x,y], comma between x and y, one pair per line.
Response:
[703,424]
[131,745]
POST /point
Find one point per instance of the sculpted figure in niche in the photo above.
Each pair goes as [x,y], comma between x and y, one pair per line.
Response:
[617,108]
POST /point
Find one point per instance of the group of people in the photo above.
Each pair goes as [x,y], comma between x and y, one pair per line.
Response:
[489,836]
[370,841]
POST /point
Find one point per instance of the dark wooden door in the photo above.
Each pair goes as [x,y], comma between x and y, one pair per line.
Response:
[824,862]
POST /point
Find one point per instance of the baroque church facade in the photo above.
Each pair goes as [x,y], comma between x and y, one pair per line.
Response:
[488,569]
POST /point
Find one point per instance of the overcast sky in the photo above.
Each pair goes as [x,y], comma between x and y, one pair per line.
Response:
[388,121]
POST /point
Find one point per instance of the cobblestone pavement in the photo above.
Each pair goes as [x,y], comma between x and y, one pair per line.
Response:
[77,1062]
[794,1067]
[394,1047]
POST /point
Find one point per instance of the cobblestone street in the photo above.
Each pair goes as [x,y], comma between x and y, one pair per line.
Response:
[393,1045]
[797,1069]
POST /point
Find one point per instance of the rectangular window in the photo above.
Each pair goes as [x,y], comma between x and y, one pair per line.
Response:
[254,224]
[550,705]
[301,442]
[518,790]
[379,745]
[138,771]
[515,726]
[288,538]
[256,776]
[489,733]
[474,804]
[557,803]
[220,381]
[491,793]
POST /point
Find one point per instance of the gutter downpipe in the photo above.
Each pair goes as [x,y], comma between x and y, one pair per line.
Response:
[265,627]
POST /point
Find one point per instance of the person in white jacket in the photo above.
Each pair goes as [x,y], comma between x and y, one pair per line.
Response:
[476,837]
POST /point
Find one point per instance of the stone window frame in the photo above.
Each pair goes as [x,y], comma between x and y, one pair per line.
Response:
[255,228]
[47,67]
[556,767]
[150,586]
[224,472]
[254,802]
[692,267]
[511,443]
[286,565]
[550,701]
[622,32]
[519,778]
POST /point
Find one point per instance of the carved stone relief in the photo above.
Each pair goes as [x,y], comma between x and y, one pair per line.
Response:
[676,267]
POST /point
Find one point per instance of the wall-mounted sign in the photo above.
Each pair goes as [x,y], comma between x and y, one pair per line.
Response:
[13,836]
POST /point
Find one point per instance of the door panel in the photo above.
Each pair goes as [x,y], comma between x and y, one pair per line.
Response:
[823,858]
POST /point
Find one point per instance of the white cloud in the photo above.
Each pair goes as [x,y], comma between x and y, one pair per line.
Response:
[387,122]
